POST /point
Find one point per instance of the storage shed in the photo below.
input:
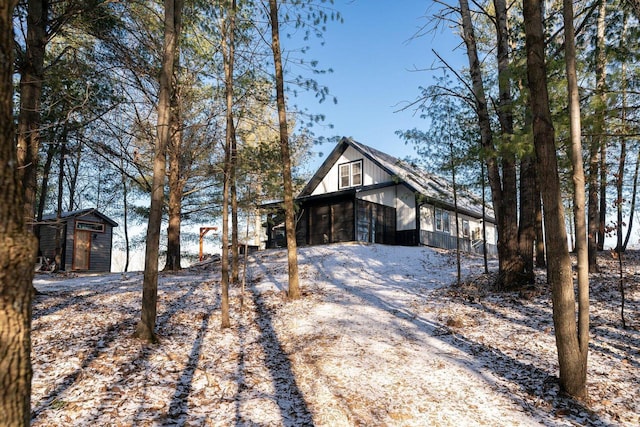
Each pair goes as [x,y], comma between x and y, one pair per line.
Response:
[86,240]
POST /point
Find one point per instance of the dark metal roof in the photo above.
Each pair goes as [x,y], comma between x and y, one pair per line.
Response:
[81,213]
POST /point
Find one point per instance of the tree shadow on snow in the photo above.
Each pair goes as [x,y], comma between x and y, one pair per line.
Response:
[290,400]
[133,363]
[529,378]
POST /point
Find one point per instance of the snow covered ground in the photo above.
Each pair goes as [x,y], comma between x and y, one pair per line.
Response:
[380,337]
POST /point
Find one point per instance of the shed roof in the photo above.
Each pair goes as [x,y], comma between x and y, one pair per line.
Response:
[81,213]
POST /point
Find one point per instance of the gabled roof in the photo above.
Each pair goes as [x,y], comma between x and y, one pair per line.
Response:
[80,213]
[433,188]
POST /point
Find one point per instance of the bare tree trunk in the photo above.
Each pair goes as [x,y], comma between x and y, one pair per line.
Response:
[513,274]
[17,252]
[44,186]
[560,275]
[125,213]
[527,228]
[235,249]
[578,388]
[73,179]
[176,183]
[632,211]
[540,250]
[623,148]
[59,224]
[290,224]
[145,329]
[602,211]
[228,51]
[31,78]
[503,190]
[597,140]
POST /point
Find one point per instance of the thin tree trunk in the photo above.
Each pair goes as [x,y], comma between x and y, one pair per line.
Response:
[602,210]
[623,149]
[632,211]
[176,183]
[540,250]
[145,329]
[59,224]
[235,249]
[455,206]
[228,50]
[17,252]
[577,388]
[597,140]
[125,213]
[44,187]
[560,275]
[31,78]
[290,225]
[484,221]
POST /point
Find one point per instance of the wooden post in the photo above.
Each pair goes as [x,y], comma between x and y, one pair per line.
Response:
[203,232]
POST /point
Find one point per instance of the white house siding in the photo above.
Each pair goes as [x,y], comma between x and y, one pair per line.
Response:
[383,196]
[405,208]
[371,173]
[427,218]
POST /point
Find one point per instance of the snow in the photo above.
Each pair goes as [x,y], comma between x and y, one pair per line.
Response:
[380,337]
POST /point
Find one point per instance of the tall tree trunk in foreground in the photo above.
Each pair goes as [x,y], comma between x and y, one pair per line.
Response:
[145,329]
[560,275]
[289,222]
[17,253]
[597,140]
[579,202]
[31,78]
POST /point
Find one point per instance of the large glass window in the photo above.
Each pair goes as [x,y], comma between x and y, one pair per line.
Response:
[350,174]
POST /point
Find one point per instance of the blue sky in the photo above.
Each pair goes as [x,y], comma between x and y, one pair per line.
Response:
[373,56]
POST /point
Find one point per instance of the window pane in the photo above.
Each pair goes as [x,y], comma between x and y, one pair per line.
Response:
[356,173]
[438,220]
[344,176]
[445,221]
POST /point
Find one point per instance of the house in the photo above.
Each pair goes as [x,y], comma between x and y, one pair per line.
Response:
[86,239]
[362,194]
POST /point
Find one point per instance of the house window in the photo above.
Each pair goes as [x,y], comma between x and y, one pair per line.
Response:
[465,228]
[350,174]
[442,220]
[90,226]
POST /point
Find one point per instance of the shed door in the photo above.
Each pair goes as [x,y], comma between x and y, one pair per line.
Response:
[81,250]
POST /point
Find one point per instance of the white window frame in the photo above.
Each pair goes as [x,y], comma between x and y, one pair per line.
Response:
[466,228]
[442,220]
[350,174]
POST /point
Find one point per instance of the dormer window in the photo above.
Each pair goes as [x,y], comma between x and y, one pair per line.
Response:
[350,174]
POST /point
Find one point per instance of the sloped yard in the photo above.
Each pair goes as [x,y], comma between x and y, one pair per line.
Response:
[380,338]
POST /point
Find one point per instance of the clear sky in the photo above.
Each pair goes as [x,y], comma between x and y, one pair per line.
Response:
[374,55]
